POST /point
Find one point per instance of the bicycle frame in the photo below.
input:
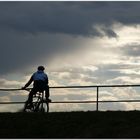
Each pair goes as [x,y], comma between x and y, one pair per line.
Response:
[39,105]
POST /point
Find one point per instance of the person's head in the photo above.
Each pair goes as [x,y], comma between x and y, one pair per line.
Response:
[41,68]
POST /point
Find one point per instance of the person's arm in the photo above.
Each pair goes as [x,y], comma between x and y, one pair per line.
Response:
[28,83]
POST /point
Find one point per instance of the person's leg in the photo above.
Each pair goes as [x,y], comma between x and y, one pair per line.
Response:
[30,96]
[28,103]
[47,94]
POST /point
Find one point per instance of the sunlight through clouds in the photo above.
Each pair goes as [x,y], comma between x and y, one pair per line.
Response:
[89,43]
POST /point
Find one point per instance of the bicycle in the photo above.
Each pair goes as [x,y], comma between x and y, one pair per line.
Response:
[39,104]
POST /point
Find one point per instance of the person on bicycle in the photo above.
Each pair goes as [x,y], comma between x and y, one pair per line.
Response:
[40,84]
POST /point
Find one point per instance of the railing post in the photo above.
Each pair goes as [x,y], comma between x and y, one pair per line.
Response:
[97,98]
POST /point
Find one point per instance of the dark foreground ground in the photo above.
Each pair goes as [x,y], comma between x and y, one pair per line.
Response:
[108,124]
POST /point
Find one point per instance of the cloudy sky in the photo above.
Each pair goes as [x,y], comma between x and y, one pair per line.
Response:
[79,43]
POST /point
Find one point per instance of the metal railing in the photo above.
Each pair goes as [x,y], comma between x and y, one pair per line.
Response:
[97,101]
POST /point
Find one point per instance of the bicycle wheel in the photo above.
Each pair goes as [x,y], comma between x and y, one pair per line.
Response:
[43,107]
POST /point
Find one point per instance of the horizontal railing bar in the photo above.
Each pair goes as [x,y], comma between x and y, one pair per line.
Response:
[51,102]
[76,101]
[10,89]
[12,102]
[95,101]
[92,86]
[120,101]
[74,87]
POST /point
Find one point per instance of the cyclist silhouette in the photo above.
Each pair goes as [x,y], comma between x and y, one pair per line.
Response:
[40,84]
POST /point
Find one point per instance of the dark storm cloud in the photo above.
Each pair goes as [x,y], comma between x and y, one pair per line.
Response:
[18,51]
[76,18]
[23,27]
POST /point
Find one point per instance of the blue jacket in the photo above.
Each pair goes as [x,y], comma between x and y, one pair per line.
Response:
[38,76]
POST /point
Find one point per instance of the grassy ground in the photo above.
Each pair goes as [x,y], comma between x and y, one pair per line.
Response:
[117,124]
